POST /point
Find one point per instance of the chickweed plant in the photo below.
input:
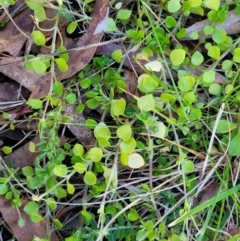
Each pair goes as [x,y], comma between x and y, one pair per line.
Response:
[155,153]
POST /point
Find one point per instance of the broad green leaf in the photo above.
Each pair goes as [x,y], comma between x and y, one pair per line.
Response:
[35,217]
[31,207]
[60,170]
[71,98]
[70,188]
[170,22]
[133,215]
[57,223]
[118,107]
[7,150]
[92,103]
[194,35]
[194,3]
[124,14]
[211,4]
[214,52]
[155,65]
[219,35]
[78,150]
[39,14]
[146,103]
[90,178]
[102,130]
[177,56]
[236,55]
[117,55]
[111,25]
[159,130]
[80,108]
[234,149]
[51,203]
[31,146]
[90,123]
[95,154]
[197,58]
[38,38]
[39,66]
[188,166]
[124,132]
[58,88]
[135,160]
[190,97]
[128,146]
[208,77]
[79,167]
[223,126]
[3,189]
[62,65]
[166,97]
[124,158]
[173,6]
[27,171]
[186,83]
[33,5]
[146,83]
[64,56]
[72,27]
[215,89]
[35,103]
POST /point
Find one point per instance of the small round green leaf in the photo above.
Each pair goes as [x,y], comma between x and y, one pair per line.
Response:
[173,6]
[58,88]
[146,83]
[177,56]
[188,166]
[215,89]
[146,103]
[95,154]
[70,188]
[128,146]
[35,103]
[60,170]
[38,38]
[7,150]
[80,168]
[124,14]
[211,4]
[117,55]
[214,52]
[118,107]
[62,65]
[71,98]
[135,160]
[90,178]
[71,27]
[197,58]
[234,149]
[124,132]
[186,83]
[78,150]
[132,215]
[31,207]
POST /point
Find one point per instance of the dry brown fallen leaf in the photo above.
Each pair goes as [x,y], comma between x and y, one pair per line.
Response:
[30,229]
[11,39]
[231,26]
